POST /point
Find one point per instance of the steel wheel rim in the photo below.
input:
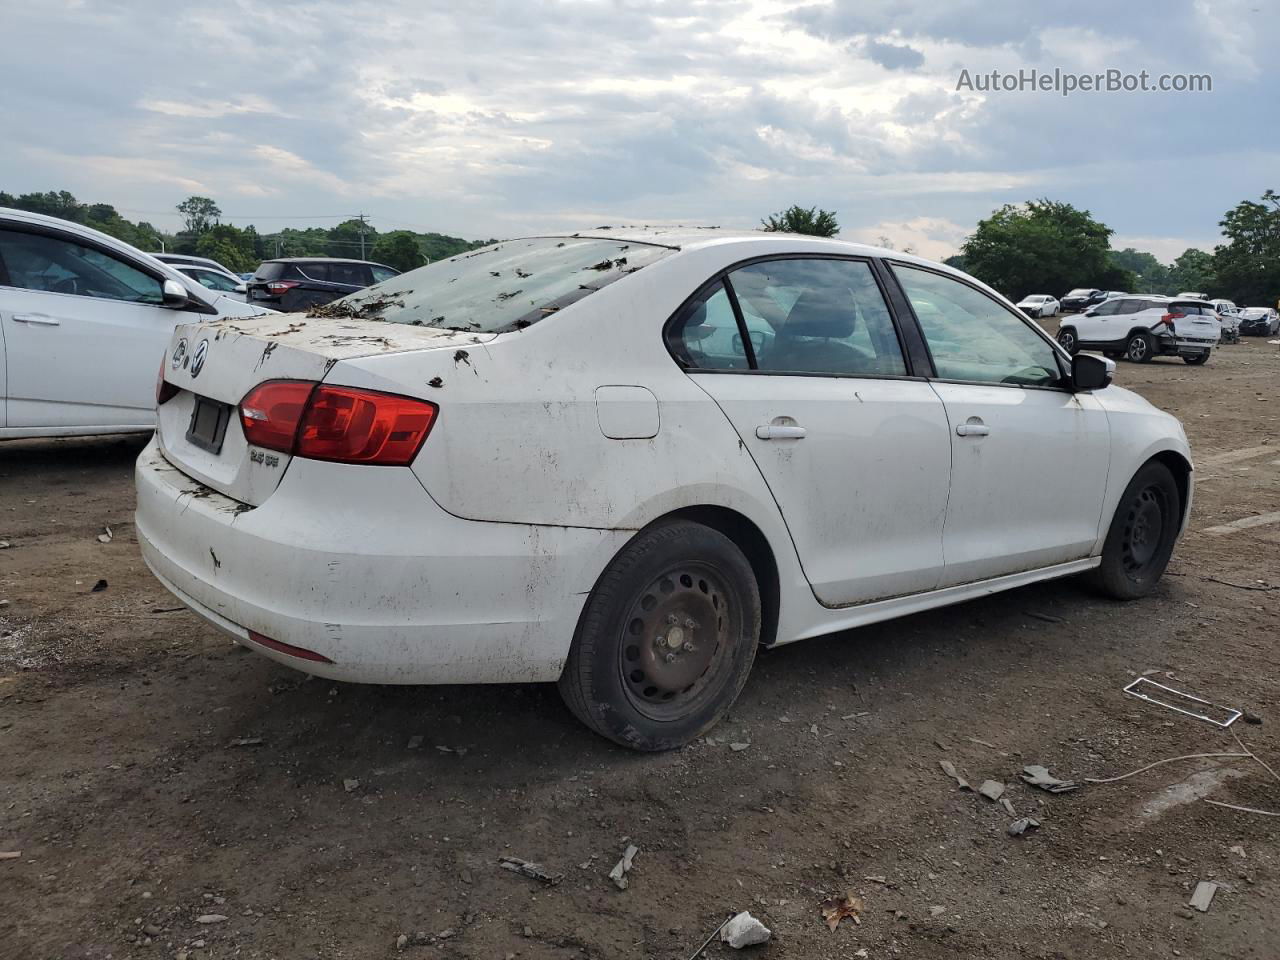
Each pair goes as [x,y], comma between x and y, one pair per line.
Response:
[1143,531]
[676,640]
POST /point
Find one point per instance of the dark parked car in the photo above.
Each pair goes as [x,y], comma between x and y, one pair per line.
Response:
[1259,322]
[295,283]
[1082,298]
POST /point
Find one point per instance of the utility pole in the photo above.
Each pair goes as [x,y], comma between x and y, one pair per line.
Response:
[362,218]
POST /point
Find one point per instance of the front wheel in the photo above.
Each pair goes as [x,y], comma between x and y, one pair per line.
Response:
[1197,359]
[1141,348]
[666,639]
[1140,539]
[1067,338]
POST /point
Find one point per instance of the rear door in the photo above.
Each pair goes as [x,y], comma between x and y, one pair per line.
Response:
[84,332]
[804,359]
[1029,458]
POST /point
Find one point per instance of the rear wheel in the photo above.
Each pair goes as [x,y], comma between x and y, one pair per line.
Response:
[1140,539]
[1141,348]
[666,639]
[1197,359]
[1067,338]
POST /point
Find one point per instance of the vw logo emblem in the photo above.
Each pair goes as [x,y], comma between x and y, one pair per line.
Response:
[179,354]
[197,358]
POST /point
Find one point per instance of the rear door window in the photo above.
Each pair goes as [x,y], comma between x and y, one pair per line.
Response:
[352,274]
[313,271]
[705,335]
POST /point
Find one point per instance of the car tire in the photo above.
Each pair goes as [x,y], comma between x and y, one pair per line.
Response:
[1141,536]
[1198,360]
[666,638]
[1068,341]
[1140,348]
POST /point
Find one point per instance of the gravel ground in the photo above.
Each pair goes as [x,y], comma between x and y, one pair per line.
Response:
[138,815]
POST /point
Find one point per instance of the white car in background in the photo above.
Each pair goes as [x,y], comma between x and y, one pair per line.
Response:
[210,274]
[85,321]
[1039,306]
[1140,327]
[1229,314]
[624,460]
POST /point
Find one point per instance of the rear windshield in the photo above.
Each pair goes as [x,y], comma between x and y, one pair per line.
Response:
[1253,313]
[1193,309]
[1082,292]
[268,271]
[500,288]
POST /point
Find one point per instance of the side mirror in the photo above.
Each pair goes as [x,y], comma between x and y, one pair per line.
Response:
[175,295]
[1091,373]
[242,288]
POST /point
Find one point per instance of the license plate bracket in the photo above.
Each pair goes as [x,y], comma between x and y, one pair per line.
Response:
[208,426]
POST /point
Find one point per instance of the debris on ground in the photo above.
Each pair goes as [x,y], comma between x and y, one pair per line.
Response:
[350,785]
[414,743]
[937,911]
[835,909]
[738,747]
[981,743]
[1046,617]
[1021,826]
[1179,701]
[1237,850]
[1039,776]
[210,918]
[744,930]
[99,587]
[1004,802]
[527,868]
[949,769]
[993,790]
[619,873]
[1203,895]
[246,742]
[402,941]
[1251,717]
[106,536]
[10,854]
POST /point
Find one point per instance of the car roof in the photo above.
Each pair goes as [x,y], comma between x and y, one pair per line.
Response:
[372,263]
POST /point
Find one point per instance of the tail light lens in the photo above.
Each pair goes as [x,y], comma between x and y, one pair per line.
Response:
[278,287]
[341,424]
[1168,318]
[165,391]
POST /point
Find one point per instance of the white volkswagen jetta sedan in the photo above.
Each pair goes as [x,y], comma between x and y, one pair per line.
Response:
[623,460]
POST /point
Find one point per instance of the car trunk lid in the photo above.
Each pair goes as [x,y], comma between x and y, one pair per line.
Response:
[213,365]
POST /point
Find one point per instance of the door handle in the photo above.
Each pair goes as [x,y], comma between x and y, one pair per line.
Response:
[774,431]
[973,427]
[36,318]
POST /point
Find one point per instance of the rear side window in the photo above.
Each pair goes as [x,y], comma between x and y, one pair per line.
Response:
[706,335]
[268,271]
[500,288]
[355,274]
[312,271]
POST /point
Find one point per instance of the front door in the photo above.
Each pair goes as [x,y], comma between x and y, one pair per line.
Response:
[1029,457]
[855,452]
[84,333]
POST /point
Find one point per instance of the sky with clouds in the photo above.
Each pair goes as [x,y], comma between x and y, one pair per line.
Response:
[505,118]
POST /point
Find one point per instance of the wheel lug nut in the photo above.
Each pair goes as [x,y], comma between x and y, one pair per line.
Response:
[691,624]
[662,641]
[672,619]
[688,647]
[671,658]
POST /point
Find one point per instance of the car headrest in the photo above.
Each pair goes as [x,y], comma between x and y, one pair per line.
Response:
[824,312]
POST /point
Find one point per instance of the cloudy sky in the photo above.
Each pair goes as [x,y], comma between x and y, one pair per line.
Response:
[502,118]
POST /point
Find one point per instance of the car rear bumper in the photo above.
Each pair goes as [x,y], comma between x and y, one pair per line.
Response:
[364,569]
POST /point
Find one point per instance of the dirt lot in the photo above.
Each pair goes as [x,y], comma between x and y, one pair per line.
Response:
[136,814]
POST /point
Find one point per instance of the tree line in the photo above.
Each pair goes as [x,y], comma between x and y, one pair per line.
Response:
[241,249]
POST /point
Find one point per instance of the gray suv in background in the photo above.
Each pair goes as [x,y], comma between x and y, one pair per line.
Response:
[296,283]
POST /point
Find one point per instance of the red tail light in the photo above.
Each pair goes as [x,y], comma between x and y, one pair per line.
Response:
[278,287]
[165,391]
[1168,318]
[342,424]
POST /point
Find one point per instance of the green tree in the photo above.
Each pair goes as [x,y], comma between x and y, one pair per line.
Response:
[1150,275]
[352,238]
[796,219]
[198,214]
[230,246]
[1247,267]
[1193,271]
[1042,246]
[398,249]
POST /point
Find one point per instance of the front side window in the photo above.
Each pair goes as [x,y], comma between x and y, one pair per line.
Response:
[818,316]
[383,273]
[972,337]
[211,280]
[54,265]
